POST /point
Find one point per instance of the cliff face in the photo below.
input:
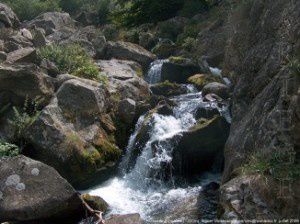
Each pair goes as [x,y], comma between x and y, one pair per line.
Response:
[260,56]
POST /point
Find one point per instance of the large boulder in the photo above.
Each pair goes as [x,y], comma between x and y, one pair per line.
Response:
[200,147]
[15,41]
[8,17]
[52,22]
[125,85]
[28,55]
[125,79]
[90,38]
[178,70]
[129,51]
[18,82]
[31,191]
[74,133]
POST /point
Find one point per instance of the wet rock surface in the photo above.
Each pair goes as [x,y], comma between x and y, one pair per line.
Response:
[200,146]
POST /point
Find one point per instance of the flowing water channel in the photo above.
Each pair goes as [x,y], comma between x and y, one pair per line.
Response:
[140,186]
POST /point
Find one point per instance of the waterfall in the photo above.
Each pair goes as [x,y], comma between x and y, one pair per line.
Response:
[154,74]
[143,188]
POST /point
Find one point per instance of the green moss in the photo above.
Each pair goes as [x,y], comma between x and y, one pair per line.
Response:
[178,60]
[95,202]
[200,80]
[202,123]
[108,151]
[7,149]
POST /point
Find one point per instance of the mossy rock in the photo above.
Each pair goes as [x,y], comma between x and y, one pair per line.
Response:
[108,151]
[167,89]
[200,80]
[95,202]
[179,60]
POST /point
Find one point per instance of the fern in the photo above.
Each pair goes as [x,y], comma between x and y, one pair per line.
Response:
[25,116]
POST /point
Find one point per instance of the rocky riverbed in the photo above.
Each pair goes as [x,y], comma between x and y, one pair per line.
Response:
[162,133]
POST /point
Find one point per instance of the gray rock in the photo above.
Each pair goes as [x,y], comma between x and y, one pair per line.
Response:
[26,33]
[92,100]
[22,55]
[31,190]
[39,39]
[71,133]
[126,110]
[129,51]
[167,89]
[50,67]
[200,147]
[216,88]
[128,219]
[52,22]
[178,70]
[125,79]
[3,56]
[21,81]
[8,17]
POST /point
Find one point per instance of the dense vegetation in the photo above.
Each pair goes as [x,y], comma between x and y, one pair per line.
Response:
[71,59]
[122,12]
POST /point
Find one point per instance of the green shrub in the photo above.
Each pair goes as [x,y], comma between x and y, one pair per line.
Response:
[7,149]
[71,59]
[29,9]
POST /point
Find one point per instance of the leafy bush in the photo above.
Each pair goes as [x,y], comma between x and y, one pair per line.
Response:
[29,9]
[71,59]
[7,149]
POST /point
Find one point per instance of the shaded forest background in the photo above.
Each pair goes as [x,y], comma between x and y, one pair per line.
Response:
[126,13]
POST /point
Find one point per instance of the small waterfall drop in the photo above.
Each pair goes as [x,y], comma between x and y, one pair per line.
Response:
[154,74]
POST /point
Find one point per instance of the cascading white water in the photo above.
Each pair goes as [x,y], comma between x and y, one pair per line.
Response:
[154,74]
[143,189]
